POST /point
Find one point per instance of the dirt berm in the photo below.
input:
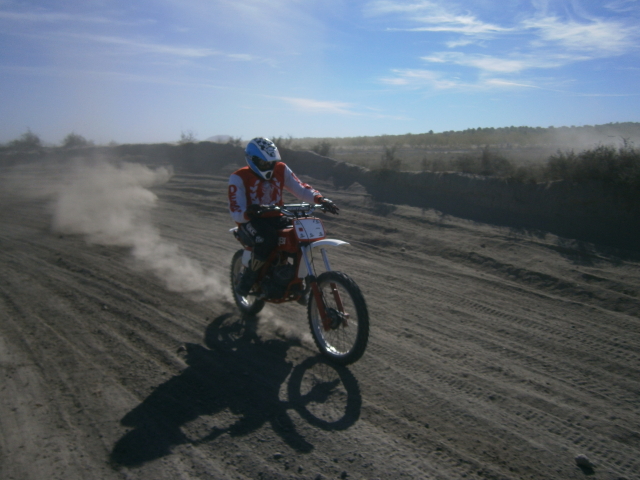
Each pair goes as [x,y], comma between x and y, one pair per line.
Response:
[589,212]
[586,211]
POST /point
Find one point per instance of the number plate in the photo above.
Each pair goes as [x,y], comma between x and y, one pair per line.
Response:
[308,229]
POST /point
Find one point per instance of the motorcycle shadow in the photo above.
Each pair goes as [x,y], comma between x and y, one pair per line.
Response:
[232,386]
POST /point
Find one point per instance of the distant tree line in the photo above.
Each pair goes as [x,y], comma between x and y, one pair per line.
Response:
[610,165]
[606,164]
[26,142]
[30,141]
[517,136]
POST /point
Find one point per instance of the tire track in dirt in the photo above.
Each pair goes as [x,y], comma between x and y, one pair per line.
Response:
[472,370]
[486,314]
[485,317]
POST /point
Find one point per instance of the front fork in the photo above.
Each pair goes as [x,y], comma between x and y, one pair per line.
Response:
[317,293]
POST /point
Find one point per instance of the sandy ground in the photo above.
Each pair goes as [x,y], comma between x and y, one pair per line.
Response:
[494,354]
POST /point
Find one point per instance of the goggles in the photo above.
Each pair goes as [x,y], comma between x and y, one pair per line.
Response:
[263,165]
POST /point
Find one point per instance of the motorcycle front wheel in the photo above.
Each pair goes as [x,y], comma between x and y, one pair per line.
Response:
[250,304]
[344,338]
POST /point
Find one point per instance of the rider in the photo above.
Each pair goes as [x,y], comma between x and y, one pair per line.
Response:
[259,184]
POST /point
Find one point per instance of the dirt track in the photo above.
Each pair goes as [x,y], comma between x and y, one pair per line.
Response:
[493,353]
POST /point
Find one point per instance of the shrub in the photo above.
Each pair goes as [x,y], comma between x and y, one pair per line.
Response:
[467,164]
[235,141]
[74,140]
[492,163]
[187,137]
[605,164]
[528,174]
[561,166]
[322,148]
[489,163]
[282,142]
[389,161]
[27,141]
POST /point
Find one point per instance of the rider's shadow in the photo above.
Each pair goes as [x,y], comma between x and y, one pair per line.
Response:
[239,372]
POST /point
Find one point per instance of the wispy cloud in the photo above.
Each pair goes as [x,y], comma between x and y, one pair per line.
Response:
[71,73]
[129,46]
[432,17]
[500,83]
[64,18]
[438,81]
[384,7]
[309,105]
[50,17]
[481,62]
[462,42]
[542,41]
[461,24]
[244,57]
[623,6]
[420,79]
[320,106]
[415,78]
[514,63]
[602,37]
[581,33]
[138,47]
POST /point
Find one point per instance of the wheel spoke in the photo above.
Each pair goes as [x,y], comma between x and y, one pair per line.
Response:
[249,304]
[344,335]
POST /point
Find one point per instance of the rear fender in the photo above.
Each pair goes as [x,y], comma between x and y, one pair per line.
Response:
[242,237]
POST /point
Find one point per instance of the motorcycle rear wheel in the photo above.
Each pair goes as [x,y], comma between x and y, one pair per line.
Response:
[346,339]
[249,305]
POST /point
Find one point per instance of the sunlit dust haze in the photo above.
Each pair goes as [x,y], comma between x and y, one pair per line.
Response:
[110,204]
[270,323]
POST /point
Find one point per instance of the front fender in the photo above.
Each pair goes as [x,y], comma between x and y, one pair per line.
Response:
[327,242]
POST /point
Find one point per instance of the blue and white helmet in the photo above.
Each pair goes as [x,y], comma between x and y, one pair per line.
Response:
[261,155]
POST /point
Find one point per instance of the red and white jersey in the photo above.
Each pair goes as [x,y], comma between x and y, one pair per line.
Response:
[246,188]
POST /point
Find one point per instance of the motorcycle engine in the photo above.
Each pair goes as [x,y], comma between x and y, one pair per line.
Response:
[274,285]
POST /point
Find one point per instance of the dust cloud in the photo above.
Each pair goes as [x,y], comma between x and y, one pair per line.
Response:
[272,324]
[110,204]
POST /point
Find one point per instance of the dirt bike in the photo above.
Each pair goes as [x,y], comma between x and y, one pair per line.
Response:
[336,309]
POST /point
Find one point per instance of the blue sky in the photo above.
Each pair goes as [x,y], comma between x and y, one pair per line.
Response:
[145,71]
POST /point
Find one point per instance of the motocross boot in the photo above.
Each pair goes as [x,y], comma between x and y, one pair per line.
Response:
[249,277]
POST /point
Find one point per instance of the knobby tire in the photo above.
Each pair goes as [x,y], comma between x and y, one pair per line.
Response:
[248,305]
[346,342]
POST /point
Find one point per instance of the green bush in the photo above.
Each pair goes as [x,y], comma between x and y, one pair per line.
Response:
[489,163]
[26,142]
[322,148]
[389,161]
[495,164]
[187,137]
[528,174]
[467,164]
[283,143]
[235,141]
[605,164]
[74,140]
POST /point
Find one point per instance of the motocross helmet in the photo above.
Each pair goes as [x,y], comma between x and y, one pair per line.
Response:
[261,155]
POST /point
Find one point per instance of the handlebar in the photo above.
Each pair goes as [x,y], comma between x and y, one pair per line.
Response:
[293,210]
